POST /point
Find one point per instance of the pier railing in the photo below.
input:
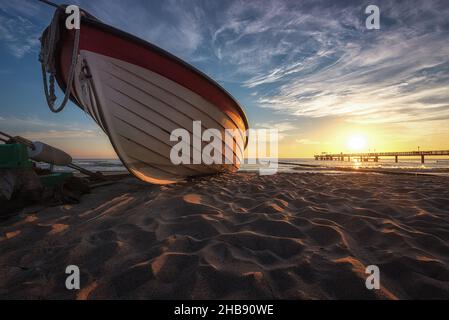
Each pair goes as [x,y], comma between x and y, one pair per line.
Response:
[367,156]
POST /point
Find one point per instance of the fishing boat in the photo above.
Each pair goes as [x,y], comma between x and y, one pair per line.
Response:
[138,94]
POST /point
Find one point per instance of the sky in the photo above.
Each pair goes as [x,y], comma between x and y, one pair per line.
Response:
[311,69]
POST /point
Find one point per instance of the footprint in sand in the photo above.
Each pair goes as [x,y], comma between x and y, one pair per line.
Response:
[84,293]
[12,234]
[57,228]
[30,218]
[192,198]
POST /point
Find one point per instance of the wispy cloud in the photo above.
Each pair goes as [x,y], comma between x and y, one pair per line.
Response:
[60,134]
[36,128]
[397,74]
[284,128]
[301,59]
[308,141]
[18,35]
[19,32]
[174,25]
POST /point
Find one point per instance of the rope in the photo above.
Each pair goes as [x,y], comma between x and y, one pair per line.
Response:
[48,62]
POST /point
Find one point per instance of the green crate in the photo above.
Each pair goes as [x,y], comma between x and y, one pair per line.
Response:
[14,155]
[51,180]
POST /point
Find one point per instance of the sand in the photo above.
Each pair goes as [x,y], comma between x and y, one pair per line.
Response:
[241,236]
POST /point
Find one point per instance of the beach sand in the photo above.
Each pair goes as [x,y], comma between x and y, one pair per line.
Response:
[241,236]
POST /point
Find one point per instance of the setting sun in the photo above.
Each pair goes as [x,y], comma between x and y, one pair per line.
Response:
[356,143]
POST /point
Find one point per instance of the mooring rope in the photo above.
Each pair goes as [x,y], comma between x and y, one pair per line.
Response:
[48,62]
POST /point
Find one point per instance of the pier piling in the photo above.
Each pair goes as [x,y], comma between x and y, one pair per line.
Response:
[375,156]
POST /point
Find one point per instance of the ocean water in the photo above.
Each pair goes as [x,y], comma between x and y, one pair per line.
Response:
[386,163]
[433,166]
[92,165]
[414,165]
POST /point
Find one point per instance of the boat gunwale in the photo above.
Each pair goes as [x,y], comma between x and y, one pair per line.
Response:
[93,21]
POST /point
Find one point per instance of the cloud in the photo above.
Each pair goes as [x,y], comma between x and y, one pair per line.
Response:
[304,59]
[267,41]
[284,128]
[316,59]
[18,35]
[25,8]
[19,30]
[60,134]
[308,141]
[389,82]
[173,25]
[35,128]
[281,126]
[395,75]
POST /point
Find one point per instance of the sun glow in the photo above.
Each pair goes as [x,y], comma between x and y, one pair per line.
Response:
[357,143]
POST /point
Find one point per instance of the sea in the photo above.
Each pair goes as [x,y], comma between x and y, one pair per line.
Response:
[431,166]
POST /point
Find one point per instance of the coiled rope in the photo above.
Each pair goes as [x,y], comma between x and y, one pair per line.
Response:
[47,59]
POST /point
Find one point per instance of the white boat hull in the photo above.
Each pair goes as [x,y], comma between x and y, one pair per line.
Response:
[138,109]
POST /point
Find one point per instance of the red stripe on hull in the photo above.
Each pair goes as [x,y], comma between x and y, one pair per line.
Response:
[101,42]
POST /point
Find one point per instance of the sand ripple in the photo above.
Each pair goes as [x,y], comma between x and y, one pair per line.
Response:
[296,236]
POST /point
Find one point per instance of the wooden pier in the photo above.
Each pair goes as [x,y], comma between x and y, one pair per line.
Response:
[375,156]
